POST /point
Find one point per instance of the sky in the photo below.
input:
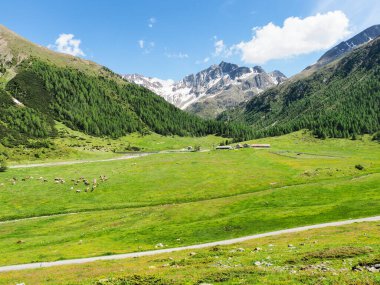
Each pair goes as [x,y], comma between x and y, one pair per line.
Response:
[170,39]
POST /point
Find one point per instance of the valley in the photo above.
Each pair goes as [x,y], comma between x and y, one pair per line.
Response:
[125,179]
[203,197]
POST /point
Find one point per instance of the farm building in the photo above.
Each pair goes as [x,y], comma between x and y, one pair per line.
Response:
[260,145]
[222,147]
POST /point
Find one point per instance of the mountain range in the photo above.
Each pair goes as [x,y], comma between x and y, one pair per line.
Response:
[39,87]
[221,87]
[212,90]
[338,98]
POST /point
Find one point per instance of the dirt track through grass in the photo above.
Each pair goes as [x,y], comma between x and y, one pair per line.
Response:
[196,246]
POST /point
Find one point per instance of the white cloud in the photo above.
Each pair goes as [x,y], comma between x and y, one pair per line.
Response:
[205,60]
[362,14]
[151,22]
[221,50]
[296,36]
[178,55]
[146,46]
[66,43]
[219,47]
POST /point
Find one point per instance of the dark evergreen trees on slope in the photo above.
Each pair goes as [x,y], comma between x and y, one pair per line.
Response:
[341,100]
[98,105]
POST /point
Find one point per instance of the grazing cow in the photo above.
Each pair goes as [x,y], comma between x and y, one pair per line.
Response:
[103,178]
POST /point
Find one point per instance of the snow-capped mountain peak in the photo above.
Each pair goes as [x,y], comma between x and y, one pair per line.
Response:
[212,82]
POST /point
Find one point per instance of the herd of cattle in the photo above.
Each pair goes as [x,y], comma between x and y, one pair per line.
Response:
[88,184]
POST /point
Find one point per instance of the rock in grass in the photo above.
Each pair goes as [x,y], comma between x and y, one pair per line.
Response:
[257,263]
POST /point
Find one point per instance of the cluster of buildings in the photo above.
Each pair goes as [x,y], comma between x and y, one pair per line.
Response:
[238,146]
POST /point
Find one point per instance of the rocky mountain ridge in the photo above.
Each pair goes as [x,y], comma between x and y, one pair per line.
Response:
[208,92]
[346,46]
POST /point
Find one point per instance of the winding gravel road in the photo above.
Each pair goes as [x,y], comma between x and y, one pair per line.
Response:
[196,246]
[46,164]
[129,156]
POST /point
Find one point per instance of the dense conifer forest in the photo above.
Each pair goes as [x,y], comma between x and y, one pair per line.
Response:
[341,101]
[96,105]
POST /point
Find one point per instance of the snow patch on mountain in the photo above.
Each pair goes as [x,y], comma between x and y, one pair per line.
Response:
[210,83]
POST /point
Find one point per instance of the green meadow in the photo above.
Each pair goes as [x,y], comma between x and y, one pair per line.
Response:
[180,199]
[74,145]
[320,256]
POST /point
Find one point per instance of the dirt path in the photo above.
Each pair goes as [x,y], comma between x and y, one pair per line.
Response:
[47,164]
[167,250]
[129,156]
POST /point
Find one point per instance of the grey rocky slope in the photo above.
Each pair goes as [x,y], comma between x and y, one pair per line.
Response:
[347,46]
[213,90]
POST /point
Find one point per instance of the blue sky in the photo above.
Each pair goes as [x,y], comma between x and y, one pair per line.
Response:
[173,38]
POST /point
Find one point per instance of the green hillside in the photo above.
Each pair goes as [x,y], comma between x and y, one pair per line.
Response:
[339,100]
[84,96]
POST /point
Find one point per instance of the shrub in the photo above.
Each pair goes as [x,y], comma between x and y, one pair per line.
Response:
[376,137]
[359,166]
[3,165]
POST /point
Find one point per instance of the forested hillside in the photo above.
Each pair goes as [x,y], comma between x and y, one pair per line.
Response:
[340,100]
[98,106]
[39,87]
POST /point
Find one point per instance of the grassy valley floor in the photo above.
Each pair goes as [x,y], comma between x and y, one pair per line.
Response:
[178,199]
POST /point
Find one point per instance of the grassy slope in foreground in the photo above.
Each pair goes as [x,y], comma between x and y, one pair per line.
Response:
[322,256]
[181,199]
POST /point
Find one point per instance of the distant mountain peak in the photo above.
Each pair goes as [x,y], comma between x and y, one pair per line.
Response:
[215,82]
